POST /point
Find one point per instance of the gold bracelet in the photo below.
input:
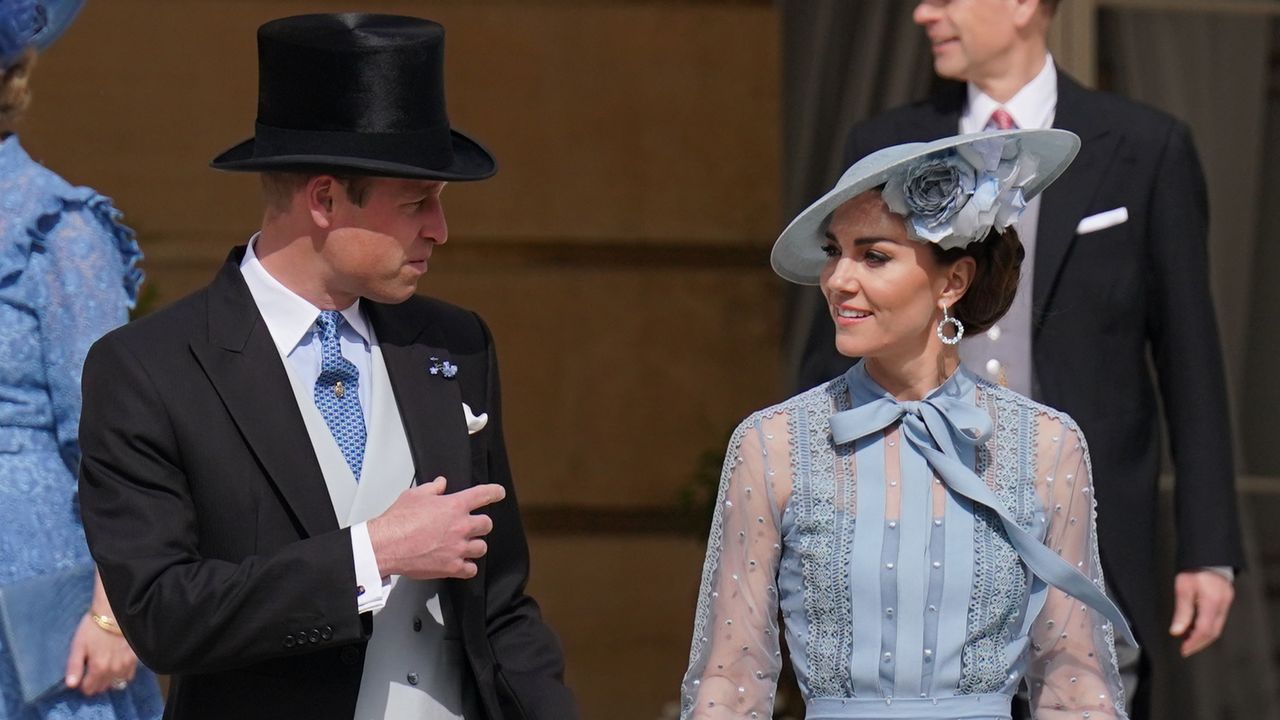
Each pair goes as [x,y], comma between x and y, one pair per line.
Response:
[106,623]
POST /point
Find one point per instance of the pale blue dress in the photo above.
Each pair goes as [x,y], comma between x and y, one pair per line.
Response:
[924,558]
[67,276]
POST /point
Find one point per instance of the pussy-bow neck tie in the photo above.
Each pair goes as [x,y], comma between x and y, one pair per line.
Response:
[934,426]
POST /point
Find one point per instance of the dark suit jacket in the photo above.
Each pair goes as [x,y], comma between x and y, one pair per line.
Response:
[209,518]
[1105,305]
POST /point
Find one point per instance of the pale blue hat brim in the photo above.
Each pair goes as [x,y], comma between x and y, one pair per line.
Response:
[59,14]
[797,255]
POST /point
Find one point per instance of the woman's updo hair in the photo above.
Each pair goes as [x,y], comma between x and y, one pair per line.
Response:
[15,91]
[995,281]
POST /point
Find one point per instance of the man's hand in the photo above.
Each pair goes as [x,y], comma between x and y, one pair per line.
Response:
[426,534]
[1202,599]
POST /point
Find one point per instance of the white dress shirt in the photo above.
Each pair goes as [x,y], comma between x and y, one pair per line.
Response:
[291,321]
[1034,106]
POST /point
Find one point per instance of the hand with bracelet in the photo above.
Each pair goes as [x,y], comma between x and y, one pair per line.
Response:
[100,657]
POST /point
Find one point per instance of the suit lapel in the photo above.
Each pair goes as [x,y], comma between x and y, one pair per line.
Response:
[244,367]
[431,408]
[1065,203]
[430,405]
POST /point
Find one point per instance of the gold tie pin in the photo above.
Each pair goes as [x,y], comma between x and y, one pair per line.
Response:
[339,390]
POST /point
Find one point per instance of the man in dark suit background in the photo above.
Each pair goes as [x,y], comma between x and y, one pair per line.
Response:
[1116,273]
[295,481]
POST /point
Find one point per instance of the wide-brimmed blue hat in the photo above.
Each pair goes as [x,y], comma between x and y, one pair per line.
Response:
[950,192]
[33,23]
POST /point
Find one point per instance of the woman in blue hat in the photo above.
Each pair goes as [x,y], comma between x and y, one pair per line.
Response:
[926,537]
[67,275]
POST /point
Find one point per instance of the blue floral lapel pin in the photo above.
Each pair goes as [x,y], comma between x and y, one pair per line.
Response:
[443,368]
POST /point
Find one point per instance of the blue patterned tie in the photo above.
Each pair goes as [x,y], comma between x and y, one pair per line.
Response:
[337,393]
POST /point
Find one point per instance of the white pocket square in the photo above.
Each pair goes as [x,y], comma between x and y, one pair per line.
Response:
[474,423]
[1102,221]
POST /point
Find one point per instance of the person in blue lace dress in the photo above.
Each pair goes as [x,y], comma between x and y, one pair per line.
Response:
[67,275]
[924,539]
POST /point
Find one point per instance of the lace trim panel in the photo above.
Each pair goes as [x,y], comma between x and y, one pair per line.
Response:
[999,578]
[823,501]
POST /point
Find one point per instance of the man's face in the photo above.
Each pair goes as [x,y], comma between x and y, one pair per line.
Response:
[380,249]
[971,39]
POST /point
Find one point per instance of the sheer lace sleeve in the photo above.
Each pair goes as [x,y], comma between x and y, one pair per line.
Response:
[1073,671]
[735,659]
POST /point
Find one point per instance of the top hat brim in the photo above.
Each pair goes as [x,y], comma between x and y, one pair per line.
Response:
[798,256]
[470,161]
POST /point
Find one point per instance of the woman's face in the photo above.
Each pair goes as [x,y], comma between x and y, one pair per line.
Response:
[885,291]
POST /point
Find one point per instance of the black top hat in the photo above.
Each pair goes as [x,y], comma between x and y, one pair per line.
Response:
[355,93]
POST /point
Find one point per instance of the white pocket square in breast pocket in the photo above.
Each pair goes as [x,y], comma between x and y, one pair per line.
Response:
[1102,221]
[474,424]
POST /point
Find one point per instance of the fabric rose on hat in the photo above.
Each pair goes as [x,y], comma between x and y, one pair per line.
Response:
[957,197]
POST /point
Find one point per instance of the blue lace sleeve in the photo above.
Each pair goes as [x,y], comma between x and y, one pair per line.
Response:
[86,264]
[735,657]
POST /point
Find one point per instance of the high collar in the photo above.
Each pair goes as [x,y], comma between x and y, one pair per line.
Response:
[863,389]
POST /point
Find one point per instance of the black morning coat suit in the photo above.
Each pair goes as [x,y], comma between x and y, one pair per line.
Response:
[1102,302]
[210,521]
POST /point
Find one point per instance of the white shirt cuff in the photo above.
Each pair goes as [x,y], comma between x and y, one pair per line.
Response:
[371,591]
[1225,571]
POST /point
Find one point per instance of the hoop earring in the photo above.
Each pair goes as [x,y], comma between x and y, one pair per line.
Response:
[948,320]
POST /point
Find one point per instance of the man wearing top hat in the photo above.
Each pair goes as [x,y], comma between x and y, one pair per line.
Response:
[294,481]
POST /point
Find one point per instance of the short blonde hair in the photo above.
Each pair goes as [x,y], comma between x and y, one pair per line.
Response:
[15,90]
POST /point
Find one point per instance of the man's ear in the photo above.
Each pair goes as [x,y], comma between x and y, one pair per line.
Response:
[1026,12]
[959,276]
[321,195]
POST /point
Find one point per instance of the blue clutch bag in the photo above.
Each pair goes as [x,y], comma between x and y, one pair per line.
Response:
[40,616]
